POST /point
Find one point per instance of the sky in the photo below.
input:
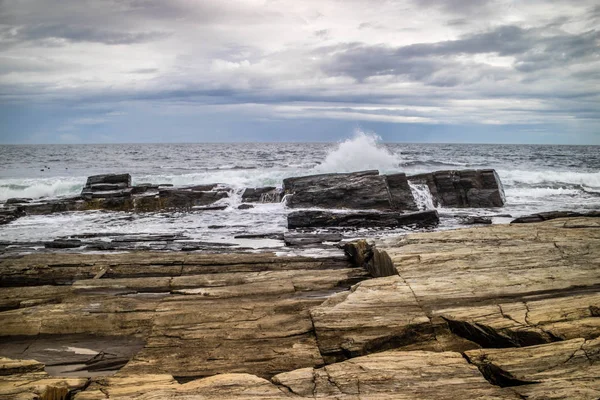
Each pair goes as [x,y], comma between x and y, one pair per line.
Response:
[473,71]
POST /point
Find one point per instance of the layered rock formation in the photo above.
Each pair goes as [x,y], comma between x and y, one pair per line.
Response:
[311,219]
[358,190]
[464,188]
[503,311]
[365,190]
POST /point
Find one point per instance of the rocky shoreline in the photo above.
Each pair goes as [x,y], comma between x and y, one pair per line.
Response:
[492,312]
[501,311]
[363,190]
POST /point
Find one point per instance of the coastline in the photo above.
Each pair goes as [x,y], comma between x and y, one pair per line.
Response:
[261,326]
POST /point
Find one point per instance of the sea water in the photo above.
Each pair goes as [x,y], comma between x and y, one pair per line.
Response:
[536,178]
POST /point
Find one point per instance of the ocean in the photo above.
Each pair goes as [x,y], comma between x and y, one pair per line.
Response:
[536,178]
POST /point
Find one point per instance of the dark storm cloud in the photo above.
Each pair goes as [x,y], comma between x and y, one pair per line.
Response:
[533,49]
[85,34]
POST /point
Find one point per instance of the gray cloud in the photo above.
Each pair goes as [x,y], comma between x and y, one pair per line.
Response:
[462,7]
[533,50]
[447,61]
[85,34]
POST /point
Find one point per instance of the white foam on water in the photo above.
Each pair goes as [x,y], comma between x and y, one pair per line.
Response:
[41,187]
[362,152]
[519,177]
[540,192]
[422,196]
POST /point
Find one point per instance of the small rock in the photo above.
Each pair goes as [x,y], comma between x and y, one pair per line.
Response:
[310,219]
[63,244]
[476,220]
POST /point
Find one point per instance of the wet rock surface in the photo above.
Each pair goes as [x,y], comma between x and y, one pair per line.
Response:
[493,312]
[269,194]
[364,219]
[546,216]
[357,190]
[366,191]
[464,188]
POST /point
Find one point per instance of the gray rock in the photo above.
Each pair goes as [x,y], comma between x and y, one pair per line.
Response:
[245,206]
[400,193]
[545,216]
[269,194]
[178,199]
[8,215]
[109,194]
[464,188]
[18,200]
[63,244]
[356,190]
[107,186]
[143,188]
[208,208]
[201,188]
[314,219]
[306,239]
[476,221]
[109,178]
[274,236]
[53,206]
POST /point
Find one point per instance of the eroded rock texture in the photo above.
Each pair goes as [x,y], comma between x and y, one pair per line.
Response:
[497,312]
[464,188]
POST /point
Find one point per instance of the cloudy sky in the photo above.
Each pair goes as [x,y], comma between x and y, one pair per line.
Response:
[92,71]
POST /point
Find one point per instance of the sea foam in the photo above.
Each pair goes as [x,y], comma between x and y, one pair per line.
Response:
[41,187]
[550,178]
[362,152]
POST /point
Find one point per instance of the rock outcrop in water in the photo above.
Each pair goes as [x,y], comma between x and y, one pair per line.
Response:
[107,186]
[369,190]
[463,188]
[546,216]
[496,312]
[113,192]
[269,194]
[356,190]
[365,190]
[362,219]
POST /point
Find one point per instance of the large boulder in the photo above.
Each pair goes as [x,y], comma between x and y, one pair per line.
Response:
[114,179]
[320,219]
[107,186]
[357,190]
[464,188]
[401,196]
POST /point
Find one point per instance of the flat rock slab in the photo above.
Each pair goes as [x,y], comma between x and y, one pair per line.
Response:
[503,311]
[363,219]
[374,315]
[190,315]
[74,355]
[386,375]
[395,375]
[504,263]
